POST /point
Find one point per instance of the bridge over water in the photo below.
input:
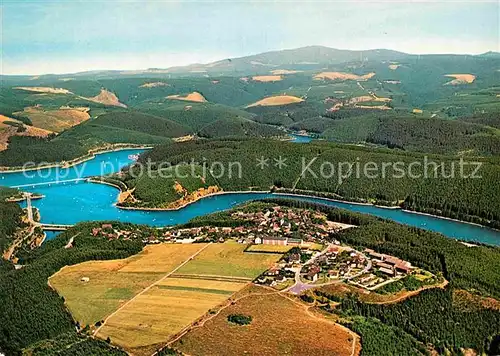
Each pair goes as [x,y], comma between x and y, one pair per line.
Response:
[56,182]
[50,227]
[54,227]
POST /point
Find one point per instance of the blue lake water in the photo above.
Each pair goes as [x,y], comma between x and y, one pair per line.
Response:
[105,163]
[69,203]
[49,235]
[301,138]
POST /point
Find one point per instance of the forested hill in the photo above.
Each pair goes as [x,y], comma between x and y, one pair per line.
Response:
[10,218]
[474,200]
[446,104]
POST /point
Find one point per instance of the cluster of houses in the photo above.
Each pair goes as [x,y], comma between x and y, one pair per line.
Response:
[389,265]
[384,269]
[284,271]
[276,226]
[111,232]
[367,269]
[282,226]
[337,262]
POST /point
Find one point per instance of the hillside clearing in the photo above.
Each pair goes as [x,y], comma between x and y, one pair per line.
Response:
[55,120]
[460,79]
[10,127]
[342,76]
[267,78]
[277,100]
[194,97]
[107,98]
[279,326]
[112,283]
[48,90]
[163,311]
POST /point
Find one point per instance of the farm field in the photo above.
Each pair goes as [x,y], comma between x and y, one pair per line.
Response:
[269,333]
[277,101]
[112,283]
[142,320]
[194,96]
[11,128]
[269,248]
[55,120]
[229,260]
[163,311]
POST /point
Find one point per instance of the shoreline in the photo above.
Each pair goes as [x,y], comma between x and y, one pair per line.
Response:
[447,218]
[193,201]
[92,153]
[179,207]
[18,200]
[288,195]
[304,194]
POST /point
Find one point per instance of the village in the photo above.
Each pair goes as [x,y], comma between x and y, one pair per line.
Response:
[312,255]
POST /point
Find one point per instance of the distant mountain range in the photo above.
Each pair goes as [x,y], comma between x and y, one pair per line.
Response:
[303,58]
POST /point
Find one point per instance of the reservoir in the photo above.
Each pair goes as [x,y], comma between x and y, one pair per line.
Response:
[75,201]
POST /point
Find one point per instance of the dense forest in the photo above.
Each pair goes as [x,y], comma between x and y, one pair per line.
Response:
[423,114]
[30,311]
[73,344]
[379,339]
[452,118]
[10,221]
[24,150]
[430,187]
[432,318]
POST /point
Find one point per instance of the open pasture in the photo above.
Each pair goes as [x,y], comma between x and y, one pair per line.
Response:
[277,101]
[230,260]
[279,326]
[112,283]
[268,248]
[163,311]
[55,120]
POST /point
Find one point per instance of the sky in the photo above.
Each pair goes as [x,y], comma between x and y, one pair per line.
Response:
[65,36]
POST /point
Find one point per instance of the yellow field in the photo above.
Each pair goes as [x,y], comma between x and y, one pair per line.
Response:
[163,311]
[107,98]
[112,283]
[313,246]
[6,131]
[342,76]
[277,100]
[55,120]
[143,303]
[267,78]
[194,96]
[228,259]
[279,326]
[45,90]
[269,248]
[461,79]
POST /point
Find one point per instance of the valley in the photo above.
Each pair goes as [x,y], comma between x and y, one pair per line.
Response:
[233,198]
